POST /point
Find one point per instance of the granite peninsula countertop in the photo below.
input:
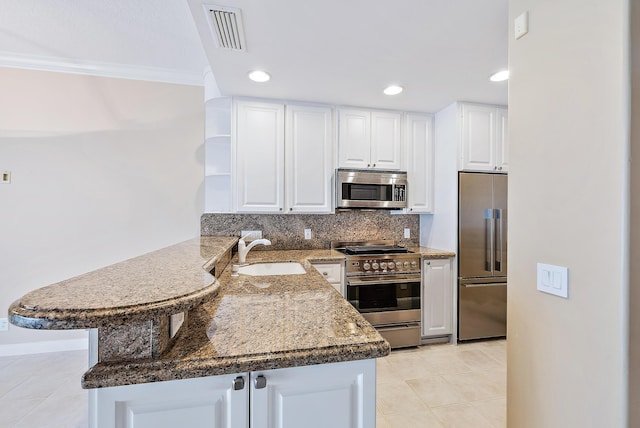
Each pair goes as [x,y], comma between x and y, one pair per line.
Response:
[163,282]
[258,323]
[233,324]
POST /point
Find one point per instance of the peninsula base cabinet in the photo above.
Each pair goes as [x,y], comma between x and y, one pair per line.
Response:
[337,395]
[437,298]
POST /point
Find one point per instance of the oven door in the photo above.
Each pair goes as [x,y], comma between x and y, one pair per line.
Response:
[391,305]
[387,294]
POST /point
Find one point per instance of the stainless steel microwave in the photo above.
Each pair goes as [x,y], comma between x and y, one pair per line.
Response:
[357,188]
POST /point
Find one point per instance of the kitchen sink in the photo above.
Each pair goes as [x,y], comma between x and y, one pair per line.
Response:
[276,268]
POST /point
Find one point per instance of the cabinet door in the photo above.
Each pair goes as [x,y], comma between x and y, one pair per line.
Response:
[354,139]
[502,139]
[200,402]
[338,395]
[259,157]
[386,143]
[437,300]
[308,155]
[420,162]
[478,137]
[332,272]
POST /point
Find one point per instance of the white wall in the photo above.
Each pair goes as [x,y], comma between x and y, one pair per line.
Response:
[568,130]
[440,230]
[102,170]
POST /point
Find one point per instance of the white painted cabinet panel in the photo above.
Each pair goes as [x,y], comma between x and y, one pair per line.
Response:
[437,298]
[370,139]
[386,145]
[354,139]
[334,273]
[259,157]
[420,162]
[200,402]
[483,138]
[308,158]
[502,139]
[339,395]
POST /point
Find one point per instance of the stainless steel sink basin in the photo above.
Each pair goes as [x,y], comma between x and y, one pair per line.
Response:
[276,268]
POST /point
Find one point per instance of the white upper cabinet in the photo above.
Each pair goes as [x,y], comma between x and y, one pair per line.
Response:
[420,162]
[369,139]
[283,157]
[259,157]
[502,139]
[308,158]
[483,138]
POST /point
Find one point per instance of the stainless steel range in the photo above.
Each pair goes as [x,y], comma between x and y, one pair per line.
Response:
[383,283]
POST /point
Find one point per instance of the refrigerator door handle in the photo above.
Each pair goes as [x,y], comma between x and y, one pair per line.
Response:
[488,240]
[488,284]
[498,239]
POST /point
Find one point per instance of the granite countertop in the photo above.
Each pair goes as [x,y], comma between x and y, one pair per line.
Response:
[170,280]
[258,323]
[233,324]
[432,253]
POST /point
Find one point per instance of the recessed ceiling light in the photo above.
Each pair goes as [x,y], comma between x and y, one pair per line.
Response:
[500,76]
[393,90]
[259,76]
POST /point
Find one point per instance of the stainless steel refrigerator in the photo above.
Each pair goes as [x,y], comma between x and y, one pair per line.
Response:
[482,255]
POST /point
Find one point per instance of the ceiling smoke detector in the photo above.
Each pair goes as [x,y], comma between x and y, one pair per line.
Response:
[226,26]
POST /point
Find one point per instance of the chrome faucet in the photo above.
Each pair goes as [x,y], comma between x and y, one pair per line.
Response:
[243,248]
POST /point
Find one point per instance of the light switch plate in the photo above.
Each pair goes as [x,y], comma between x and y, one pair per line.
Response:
[521,25]
[4,324]
[407,233]
[553,280]
[307,234]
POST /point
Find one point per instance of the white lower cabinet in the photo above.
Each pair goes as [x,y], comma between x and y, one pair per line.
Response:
[334,273]
[328,395]
[339,395]
[437,298]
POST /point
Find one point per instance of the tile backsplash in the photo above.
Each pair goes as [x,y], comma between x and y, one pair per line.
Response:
[286,231]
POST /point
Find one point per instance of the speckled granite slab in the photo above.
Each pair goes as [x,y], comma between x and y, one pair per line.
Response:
[432,253]
[160,283]
[258,323]
[286,231]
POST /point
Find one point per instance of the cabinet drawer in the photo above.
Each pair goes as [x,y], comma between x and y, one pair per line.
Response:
[332,272]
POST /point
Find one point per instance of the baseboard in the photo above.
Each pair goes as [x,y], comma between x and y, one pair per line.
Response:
[42,347]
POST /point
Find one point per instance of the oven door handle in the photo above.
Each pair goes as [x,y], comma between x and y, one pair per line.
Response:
[379,281]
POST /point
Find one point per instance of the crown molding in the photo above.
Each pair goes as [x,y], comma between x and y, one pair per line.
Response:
[91,68]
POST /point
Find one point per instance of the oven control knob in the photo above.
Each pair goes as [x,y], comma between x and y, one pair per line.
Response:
[383,265]
[375,266]
[391,265]
[366,266]
[406,264]
[414,264]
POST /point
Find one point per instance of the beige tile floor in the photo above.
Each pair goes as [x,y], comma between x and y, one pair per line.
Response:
[432,386]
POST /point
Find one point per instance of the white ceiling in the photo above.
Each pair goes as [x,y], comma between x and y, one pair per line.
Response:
[332,51]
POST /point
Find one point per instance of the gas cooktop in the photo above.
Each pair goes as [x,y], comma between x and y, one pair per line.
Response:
[369,247]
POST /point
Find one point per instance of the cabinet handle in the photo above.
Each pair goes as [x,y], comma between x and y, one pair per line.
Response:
[374,165]
[429,263]
[495,167]
[238,383]
[290,209]
[261,382]
[500,168]
[280,208]
[368,165]
[325,273]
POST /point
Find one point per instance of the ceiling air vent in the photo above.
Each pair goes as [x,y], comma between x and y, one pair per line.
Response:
[226,26]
